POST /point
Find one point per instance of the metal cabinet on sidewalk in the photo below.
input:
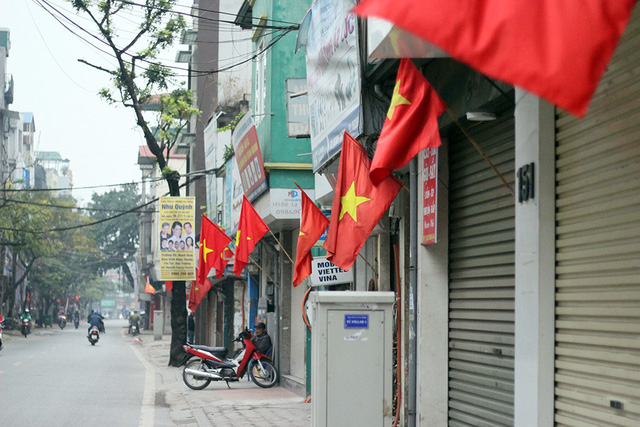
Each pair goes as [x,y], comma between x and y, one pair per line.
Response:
[352,339]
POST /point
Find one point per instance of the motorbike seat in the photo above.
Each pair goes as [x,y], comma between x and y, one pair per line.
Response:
[219,352]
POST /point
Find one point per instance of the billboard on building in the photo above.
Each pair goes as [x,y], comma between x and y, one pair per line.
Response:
[177,238]
[249,158]
[430,196]
[333,77]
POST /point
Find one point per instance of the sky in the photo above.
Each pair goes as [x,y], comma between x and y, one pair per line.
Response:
[100,140]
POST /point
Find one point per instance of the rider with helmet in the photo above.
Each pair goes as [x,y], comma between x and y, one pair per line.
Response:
[95,319]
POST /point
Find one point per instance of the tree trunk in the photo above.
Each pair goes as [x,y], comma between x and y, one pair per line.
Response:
[178,323]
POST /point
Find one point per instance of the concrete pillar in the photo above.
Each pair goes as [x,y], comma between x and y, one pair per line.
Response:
[535,264]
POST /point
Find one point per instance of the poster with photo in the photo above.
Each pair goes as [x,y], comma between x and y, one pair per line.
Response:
[177,238]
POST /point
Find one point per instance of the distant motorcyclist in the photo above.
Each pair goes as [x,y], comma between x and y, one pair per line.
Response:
[134,319]
[95,319]
[26,315]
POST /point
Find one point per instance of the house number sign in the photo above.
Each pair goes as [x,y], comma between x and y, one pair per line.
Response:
[526,182]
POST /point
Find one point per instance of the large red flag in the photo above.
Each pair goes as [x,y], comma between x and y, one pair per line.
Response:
[312,224]
[197,293]
[358,204]
[555,49]
[411,124]
[251,228]
[213,245]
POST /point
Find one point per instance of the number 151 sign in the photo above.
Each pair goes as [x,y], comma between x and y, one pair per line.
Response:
[430,196]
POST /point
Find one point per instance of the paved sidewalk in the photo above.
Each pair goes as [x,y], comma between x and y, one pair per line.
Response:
[245,404]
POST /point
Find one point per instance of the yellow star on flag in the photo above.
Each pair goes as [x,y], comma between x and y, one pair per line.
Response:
[205,250]
[396,99]
[350,201]
[302,233]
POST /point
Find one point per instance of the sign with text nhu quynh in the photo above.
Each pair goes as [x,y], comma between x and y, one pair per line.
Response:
[177,240]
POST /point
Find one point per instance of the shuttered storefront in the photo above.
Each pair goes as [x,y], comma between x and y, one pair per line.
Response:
[481,272]
[598,250]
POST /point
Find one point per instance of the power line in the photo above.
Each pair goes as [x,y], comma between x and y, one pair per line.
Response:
[90,224]
[47,205]
[193,73]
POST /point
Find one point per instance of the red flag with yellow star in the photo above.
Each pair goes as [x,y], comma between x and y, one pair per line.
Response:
[411,124]
[251,228]
[213,246]
[358,204]
[312,225]
[197,293]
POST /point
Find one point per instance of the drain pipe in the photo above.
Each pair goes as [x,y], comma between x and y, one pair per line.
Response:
[413,288]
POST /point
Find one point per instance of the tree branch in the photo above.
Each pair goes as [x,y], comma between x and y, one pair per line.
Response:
[97,67]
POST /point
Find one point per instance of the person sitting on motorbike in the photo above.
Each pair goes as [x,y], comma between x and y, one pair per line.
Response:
[262,340]
[76,316]
[25,315]
[95,319]
[134,319]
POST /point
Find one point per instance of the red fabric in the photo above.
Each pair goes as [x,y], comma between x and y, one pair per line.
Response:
[251,228]
[411,125]
[148,289]
[312,225]
[168,284]
[213,245]
[555,49]
[355,194]
[197,293]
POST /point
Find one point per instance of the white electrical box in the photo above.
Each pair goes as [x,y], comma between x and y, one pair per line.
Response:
[351,366]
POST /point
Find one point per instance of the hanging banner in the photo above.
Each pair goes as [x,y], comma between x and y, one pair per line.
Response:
[430,196]
[333,77]
[249,158]
[177,238]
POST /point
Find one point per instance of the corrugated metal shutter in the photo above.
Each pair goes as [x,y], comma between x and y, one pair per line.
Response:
[481,272]
[598,250]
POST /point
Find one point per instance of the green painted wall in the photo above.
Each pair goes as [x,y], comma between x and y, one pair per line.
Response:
[282,63]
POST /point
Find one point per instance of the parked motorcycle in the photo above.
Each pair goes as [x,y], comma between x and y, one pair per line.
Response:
[25,328]
[210,365]
[62,321]
[94,335]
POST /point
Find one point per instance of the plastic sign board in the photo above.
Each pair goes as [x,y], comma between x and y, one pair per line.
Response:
[430,196]
[356,321]
[324,273]
[249,158]
[177,238]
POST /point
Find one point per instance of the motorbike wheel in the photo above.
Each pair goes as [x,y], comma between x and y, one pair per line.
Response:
[265,376]
[192,381]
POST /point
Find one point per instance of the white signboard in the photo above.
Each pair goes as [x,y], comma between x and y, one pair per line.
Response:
[286,203]
[325,273]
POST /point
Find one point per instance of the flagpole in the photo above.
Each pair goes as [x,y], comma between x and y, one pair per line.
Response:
[480,151]
[281,247]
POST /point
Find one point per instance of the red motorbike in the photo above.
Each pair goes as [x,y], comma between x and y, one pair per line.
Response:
[210,365]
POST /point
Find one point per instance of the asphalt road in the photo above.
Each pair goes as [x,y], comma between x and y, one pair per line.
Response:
[56,378]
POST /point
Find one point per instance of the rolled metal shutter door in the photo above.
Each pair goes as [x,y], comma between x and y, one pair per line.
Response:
[481,277]
[598,250]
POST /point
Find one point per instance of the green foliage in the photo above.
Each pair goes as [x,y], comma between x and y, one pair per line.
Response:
[233,123]
[116,238]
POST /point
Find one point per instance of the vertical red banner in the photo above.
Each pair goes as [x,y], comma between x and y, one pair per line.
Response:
[430,196]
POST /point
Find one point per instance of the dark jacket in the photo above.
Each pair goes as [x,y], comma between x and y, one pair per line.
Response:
[95,320]
[262,343]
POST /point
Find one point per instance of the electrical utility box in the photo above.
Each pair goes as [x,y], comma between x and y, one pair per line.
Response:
[351,377]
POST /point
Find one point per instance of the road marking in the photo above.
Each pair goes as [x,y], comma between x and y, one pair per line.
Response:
[149,394]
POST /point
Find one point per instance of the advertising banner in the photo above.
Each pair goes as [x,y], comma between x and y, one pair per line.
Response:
[333,77]
[430,196]
[286,203]
[249,158]
[177,238]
